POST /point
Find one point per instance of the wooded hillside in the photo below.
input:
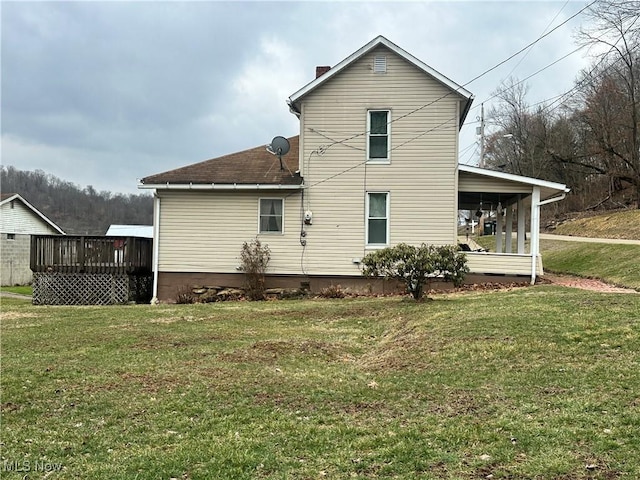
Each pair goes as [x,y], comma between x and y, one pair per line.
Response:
[589,137]
[75,209]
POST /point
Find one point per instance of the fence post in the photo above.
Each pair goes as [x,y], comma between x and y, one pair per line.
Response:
[32,253]
[81,254]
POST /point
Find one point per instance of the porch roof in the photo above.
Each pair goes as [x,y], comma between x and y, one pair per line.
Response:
[477,185]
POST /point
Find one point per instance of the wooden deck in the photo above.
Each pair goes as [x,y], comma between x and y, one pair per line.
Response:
[91,254]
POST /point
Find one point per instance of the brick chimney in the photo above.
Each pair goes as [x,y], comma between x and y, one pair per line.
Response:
[322,70]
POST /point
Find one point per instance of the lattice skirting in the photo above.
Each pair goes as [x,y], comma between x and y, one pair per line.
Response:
[140,288]
[53,288]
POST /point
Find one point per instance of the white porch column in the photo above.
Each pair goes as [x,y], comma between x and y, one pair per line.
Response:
[156,244]
[521,225]
[508,229]
[535,231]
[499,232]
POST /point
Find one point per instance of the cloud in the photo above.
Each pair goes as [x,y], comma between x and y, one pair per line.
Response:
[258,93]
[103,93]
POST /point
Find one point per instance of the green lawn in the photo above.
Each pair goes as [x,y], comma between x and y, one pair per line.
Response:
[20,289]
[616,264]
[538,382]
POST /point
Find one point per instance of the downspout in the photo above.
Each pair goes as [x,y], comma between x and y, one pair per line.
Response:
[156,245]
[552,200]
[535,238]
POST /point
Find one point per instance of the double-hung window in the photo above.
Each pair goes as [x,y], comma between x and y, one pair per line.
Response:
[377,218]
[378,137]
[271,215]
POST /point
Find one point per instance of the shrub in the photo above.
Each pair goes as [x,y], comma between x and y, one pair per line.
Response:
[254,259]
[184,295]
[332,291]
[416,266]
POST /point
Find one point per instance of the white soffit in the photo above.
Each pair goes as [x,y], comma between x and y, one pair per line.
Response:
[513,178]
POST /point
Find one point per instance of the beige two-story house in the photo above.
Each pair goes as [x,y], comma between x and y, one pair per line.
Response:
[375,164]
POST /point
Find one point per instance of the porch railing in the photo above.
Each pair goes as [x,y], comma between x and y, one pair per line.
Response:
[91,254]
[500,263]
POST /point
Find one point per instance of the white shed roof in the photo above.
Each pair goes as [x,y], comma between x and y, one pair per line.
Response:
[144,231]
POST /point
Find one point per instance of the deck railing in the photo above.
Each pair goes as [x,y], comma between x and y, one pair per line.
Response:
[91,254]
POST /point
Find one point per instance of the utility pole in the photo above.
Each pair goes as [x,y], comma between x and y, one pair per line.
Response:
[481,132]
[481,163]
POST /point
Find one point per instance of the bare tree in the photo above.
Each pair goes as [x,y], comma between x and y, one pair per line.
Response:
[518,143]
[74,209]
[611,111]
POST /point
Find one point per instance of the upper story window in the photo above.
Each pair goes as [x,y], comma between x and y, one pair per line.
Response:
[377,218]
[378,137]
[11,236]
[271,215]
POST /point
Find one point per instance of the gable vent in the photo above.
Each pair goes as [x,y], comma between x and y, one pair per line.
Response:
[380,64]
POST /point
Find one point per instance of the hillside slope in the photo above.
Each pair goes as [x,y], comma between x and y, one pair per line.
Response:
[77,210]
[618,224]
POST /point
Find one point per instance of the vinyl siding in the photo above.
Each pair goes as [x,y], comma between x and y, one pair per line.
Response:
[21,219]
[204,231]
[421,176]
[468,182]
[515,264]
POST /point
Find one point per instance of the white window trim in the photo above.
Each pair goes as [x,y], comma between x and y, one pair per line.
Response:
[259,203]
[379,161]
[374,246]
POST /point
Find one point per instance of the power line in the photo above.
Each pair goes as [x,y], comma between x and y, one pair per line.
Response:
[465,149]
[560,99]
[323,148]
[537,72]
[531,44]
[469,157]
[456,90]
[531,48]
[364,162]
[588,76]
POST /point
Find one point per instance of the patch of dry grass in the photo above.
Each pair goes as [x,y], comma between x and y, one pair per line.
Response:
[620,224]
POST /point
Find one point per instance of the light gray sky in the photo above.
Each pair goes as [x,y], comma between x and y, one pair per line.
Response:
[105,93]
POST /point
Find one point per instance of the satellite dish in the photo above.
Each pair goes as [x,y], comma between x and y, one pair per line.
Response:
[279,146]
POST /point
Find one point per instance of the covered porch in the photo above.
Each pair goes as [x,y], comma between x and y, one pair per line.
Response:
[512,204]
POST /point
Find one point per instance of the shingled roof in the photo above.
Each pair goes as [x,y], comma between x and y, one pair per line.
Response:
[255,166]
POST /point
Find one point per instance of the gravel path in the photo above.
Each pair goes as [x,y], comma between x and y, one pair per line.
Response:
[14,295]
[571,238]
[585,284]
